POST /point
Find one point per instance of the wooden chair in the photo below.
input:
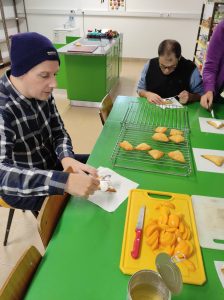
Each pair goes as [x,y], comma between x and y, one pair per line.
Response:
[105,108]
[47,218]
[10,217]
[49,214]
[18,280]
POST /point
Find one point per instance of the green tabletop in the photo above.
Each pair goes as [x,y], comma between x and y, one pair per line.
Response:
[82,259]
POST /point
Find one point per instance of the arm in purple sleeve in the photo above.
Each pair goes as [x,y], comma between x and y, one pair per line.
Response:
[213,58]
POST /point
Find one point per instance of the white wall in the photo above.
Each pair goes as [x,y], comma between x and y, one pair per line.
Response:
[144,24]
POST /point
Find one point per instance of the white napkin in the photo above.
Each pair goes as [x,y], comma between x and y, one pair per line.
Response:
[175,103]
[110,201]
[205,165]
[205,127]
[218,266]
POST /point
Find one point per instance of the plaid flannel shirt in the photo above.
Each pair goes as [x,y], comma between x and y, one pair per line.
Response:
[33,142]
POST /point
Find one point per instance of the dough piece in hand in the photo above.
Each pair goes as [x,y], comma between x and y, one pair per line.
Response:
[161,129]
[111,189]
[156,154]
[105,186]
[167,102]
[177,155]
[215,159]
[216,123]
[176,138]
[161,137]
[176,132]
[126,146]
[143,147]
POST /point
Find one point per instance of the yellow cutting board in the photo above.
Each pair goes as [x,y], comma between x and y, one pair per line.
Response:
[138,198]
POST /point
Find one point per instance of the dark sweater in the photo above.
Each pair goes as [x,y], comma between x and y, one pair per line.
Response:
[172,84]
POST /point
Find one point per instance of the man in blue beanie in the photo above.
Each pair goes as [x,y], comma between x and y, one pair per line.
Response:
[35,147]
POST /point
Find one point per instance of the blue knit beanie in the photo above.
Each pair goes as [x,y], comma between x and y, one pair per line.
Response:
[28,50]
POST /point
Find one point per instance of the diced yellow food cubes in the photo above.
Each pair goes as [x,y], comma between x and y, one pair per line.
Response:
[169,233]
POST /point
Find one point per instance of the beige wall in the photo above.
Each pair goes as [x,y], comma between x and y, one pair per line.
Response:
[143,25]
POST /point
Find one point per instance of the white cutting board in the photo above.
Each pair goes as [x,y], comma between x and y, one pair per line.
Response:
[209,215]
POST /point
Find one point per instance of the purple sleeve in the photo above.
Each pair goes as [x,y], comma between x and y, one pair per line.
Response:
[213,58]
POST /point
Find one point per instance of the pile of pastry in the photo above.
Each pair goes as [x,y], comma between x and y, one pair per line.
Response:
[175,136]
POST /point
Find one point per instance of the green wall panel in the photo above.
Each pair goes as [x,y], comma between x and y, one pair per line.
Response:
[61,75]
[86,77]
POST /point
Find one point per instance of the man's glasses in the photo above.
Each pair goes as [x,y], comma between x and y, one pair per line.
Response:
[170,68]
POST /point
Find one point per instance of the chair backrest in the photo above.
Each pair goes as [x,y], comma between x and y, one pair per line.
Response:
[105,108]
[18,280]
[49,214]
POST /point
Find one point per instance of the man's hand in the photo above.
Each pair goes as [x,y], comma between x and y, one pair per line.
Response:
[184,97]
[207,99]
[154,98]
[78,167]
[151,97]
[81,184]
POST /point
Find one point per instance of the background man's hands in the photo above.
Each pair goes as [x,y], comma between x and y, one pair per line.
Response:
[184,97]
[154,98]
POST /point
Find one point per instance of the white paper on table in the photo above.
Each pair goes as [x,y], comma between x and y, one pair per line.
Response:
[205,127]
[218,266]
[205,165]
[175,103]
[110,201]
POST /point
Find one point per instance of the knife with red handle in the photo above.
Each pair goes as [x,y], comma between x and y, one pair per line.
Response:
[138,234]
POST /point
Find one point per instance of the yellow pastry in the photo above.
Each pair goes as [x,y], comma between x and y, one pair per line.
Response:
[161,137]
[176,132]
[156,154]
[126,146]
[176,138]
[222,269]
[215,123]
[143,147]
[167,102]
[177,155]
[215,159]
[161,129]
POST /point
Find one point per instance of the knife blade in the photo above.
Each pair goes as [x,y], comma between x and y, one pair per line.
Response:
[211,110]
[138,233]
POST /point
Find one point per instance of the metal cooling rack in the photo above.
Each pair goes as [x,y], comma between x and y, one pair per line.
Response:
[138,126]
[147,114]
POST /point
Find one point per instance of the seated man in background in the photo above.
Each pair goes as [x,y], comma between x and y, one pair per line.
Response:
[35,147]
[170,75]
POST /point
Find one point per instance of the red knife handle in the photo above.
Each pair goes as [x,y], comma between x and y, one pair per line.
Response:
[136,246]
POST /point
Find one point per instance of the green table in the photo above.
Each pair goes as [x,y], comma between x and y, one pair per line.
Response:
[82,259]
